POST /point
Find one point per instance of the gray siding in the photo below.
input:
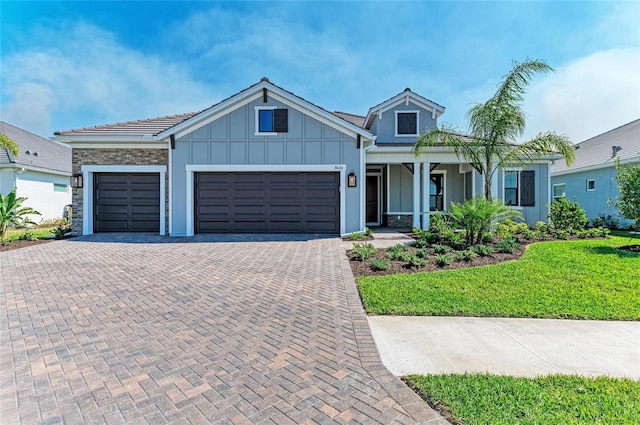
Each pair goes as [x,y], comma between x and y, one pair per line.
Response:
[385,127]
[400,189]
[231,140]
[593,202]
[540,211]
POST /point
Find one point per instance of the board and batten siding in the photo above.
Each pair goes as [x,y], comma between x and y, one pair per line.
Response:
[540,210]
[231,140]
[385,127]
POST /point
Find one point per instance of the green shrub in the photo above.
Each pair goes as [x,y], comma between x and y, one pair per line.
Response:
[397,252]
[528,234]
[439,223]
[441,249]
[444,259]
[357,236]
[415,261]
[482,250]
[506,229]
[567,216]
[506,245]
[452,236]
[362,251]
[458,255]
[379,264]
[561,234]
[421,243]
[582,234]
[603,232]
[477,216]
[541,226]
[422,253]
[368,231]
[468,255]
[27,236]
[62,229]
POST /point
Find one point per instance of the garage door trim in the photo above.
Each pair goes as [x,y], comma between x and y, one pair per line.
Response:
[192,169]
[87,190]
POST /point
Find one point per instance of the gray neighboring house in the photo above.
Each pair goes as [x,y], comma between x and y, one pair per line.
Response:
[41,172]
[268,161]
[590,180]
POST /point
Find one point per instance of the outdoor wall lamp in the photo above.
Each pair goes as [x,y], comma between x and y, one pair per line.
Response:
[76,181]
[351,179]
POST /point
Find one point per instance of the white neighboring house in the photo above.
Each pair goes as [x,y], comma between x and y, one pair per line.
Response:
[40,173]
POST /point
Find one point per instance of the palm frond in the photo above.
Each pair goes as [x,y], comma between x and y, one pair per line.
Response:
[543,145]
[447,136]
[8,143]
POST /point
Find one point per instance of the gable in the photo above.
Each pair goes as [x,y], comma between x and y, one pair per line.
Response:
[405,98]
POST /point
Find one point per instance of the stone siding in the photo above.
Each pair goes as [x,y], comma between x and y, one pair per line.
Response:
[399,221]
[81,157]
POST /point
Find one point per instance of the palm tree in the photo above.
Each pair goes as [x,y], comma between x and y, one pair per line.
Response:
[13,214]
[11,146]
[494,129]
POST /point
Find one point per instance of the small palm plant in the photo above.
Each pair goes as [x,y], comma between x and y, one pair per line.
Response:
[13,214]
[477,216]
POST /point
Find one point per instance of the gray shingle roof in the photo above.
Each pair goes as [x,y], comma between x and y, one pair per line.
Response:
[352,118]
[42,153]
[130,128]
[598,151]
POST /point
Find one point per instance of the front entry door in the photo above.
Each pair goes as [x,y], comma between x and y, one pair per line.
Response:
[372,200]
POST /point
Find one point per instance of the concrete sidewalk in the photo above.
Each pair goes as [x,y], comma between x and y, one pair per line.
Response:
[518,347]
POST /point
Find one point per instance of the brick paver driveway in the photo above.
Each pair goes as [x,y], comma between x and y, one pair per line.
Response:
[150,329]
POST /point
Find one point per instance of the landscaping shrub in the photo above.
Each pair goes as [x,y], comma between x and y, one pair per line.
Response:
[562,234]
[444,259]
[567,216]
[356,236]
[398,252]
[482,250]
[27,236]
[52,222]
[422,253]
[441,249]
[62,229]
[476,217]
[368,231]
[507,245]
[439,223]
[453,237]
[415,261]
[362,251]
[528,234]
[379,264]
[468,255]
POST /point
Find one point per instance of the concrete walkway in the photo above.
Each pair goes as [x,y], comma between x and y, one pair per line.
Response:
[518,347]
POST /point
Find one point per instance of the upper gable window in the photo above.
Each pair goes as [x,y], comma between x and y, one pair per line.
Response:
[407,123]
[271,120]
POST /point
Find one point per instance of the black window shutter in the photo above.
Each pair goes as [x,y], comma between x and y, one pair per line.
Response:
[280,120]
[528,191]
[407,123]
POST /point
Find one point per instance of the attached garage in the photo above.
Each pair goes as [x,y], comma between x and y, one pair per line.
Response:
[267,202]
[126,202]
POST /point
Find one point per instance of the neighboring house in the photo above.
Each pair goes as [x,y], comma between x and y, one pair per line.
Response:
[267,161]
[40,173]
[590,179]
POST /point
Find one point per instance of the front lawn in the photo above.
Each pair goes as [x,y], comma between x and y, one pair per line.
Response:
[489,399]
[31,234]
[581,279]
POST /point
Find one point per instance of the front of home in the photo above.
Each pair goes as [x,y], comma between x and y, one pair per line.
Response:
[267,161]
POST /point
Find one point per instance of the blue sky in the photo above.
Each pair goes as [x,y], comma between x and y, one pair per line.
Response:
[75,64]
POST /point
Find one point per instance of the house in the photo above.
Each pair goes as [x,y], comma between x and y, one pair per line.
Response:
[590,179]
[40,173]
[268,161]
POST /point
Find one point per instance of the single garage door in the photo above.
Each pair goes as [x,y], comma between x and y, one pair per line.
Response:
[273,202]
[126,202]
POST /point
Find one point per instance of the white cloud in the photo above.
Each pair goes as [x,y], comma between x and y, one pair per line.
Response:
[587,96]
[79,73]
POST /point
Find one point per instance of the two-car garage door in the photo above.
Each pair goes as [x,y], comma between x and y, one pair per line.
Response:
[267,202]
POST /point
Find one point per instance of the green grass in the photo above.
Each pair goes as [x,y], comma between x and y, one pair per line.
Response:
[38,233]
[549,400]
[582,279]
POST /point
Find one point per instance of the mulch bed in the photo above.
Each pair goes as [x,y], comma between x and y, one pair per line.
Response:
[630,248]
[22,244]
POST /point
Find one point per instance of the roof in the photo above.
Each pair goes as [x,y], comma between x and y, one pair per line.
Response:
[158,126]
[35,151]
[599,150]
[402,97]
[130,128]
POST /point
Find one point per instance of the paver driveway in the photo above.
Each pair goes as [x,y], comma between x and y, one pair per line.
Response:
[150,329]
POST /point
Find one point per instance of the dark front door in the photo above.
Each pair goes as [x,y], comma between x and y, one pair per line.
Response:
[126,202]
[372,199]
[267,202]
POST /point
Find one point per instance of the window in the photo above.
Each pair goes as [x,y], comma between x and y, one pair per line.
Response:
[559,191]
[271,120]
[407,123]
[60,187]
[436,192]
[519,188]
[591,185]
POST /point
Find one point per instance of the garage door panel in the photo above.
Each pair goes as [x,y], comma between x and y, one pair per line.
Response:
[126,202]
[280,202]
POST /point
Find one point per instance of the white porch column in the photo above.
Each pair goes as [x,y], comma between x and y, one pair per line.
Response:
[416,194]
[426,175]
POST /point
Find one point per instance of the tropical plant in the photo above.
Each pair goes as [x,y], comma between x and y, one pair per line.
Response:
[495,127]
[362,251]
[13,214]
[476,216]
[567,216]
[7,143]
[628,201]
